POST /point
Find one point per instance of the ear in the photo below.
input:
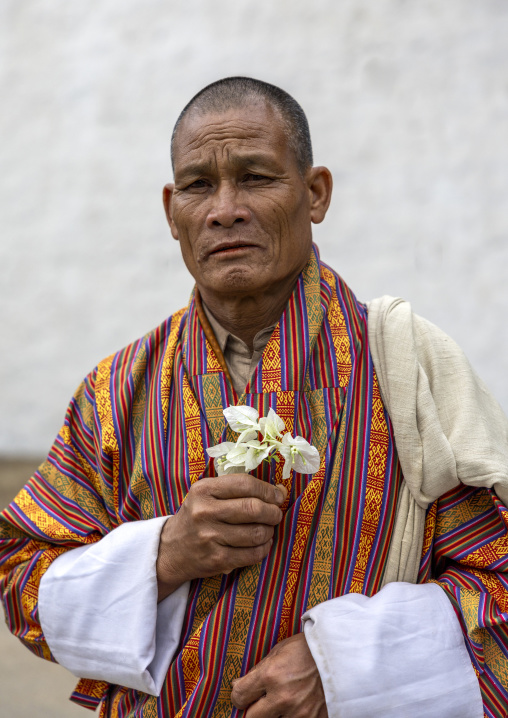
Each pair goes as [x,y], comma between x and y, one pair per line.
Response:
[320,184]
[167,196]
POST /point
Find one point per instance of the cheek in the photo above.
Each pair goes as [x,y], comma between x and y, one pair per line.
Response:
[293,222]
[276,214]
[187,214]
[186,221]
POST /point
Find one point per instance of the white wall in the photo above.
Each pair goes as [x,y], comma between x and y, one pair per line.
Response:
[408,105]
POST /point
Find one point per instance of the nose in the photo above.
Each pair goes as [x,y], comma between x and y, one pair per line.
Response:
[227,209]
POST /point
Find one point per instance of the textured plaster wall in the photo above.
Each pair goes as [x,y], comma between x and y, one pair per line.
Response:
[408,106]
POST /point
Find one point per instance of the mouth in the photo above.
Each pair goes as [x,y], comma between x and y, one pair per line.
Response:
[231,248]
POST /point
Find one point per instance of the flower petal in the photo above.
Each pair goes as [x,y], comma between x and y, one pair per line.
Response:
[240,418]
[275,419]
[228,468]
[220,449]
[247,435]
[271,426]
[286,472]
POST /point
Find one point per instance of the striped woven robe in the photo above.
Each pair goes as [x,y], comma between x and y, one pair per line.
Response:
[134,440]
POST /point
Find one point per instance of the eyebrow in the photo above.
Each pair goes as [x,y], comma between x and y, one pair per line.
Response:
[238,160]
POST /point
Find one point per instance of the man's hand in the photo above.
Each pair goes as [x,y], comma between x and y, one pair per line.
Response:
[224,523]
[284,684]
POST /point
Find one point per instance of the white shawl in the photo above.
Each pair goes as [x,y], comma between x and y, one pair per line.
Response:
[448,428]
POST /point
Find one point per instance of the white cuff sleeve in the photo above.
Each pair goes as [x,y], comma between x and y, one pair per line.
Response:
[396,654]
[99,613]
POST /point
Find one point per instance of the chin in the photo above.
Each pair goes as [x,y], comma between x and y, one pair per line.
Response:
[238,279]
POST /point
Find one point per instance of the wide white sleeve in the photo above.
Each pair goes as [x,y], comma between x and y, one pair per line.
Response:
[399,653]
[99,613]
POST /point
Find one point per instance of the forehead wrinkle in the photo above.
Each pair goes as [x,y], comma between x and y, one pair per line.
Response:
[235,127]
[221,138]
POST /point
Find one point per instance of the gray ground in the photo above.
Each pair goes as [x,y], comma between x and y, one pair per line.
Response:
[29,686]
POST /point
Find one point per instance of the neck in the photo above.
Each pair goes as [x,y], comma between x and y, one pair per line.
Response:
[247,314]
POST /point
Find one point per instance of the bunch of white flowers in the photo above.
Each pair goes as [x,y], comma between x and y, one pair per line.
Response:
[248,451]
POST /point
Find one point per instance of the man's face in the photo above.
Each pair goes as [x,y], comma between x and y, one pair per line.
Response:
[240,207]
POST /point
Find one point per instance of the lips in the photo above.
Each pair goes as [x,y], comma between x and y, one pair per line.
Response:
[230,247]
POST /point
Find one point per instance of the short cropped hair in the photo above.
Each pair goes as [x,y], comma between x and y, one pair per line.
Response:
[235,92]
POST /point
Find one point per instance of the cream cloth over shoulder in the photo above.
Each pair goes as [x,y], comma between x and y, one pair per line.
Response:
[448,428]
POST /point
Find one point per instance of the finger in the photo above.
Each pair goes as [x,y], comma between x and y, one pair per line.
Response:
[249,688]
[245,536]
[240,557]
[247,510]
[265,707]
[283,491]
[233,486]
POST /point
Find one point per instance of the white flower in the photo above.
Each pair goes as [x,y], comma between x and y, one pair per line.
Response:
[272,426]
[218,452]
[248,452]
[243,420]
[256,453]
[298,455]
[235,461]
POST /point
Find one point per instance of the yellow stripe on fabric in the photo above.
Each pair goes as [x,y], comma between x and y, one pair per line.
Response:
[138,483]
[323,555]
[430,529]
[73,490]
[93,689]
[470,604]
[492,583]
[340,335]
[486,555]
[213,365]
[105,412]
[272,368]
[190,662]
[308,504]
[30,594]
[213,406]
[244,607]
[190,666]
[207,600]
[492,653]
[150,708]
[495,658]
[286,411]
[50,526]
[195,451]
[167,366]
[464,511]
[116,701]
[312,289]
[378,449]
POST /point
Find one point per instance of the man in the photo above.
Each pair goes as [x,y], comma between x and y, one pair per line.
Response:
[403,609]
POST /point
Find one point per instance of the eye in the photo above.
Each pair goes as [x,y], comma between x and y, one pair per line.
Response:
[251,177]
[197,184]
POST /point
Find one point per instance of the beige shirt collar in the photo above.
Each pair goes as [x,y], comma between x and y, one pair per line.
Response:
[241,361]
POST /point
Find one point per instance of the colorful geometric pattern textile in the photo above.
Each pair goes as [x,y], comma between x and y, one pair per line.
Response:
[135,439]
[466,549]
